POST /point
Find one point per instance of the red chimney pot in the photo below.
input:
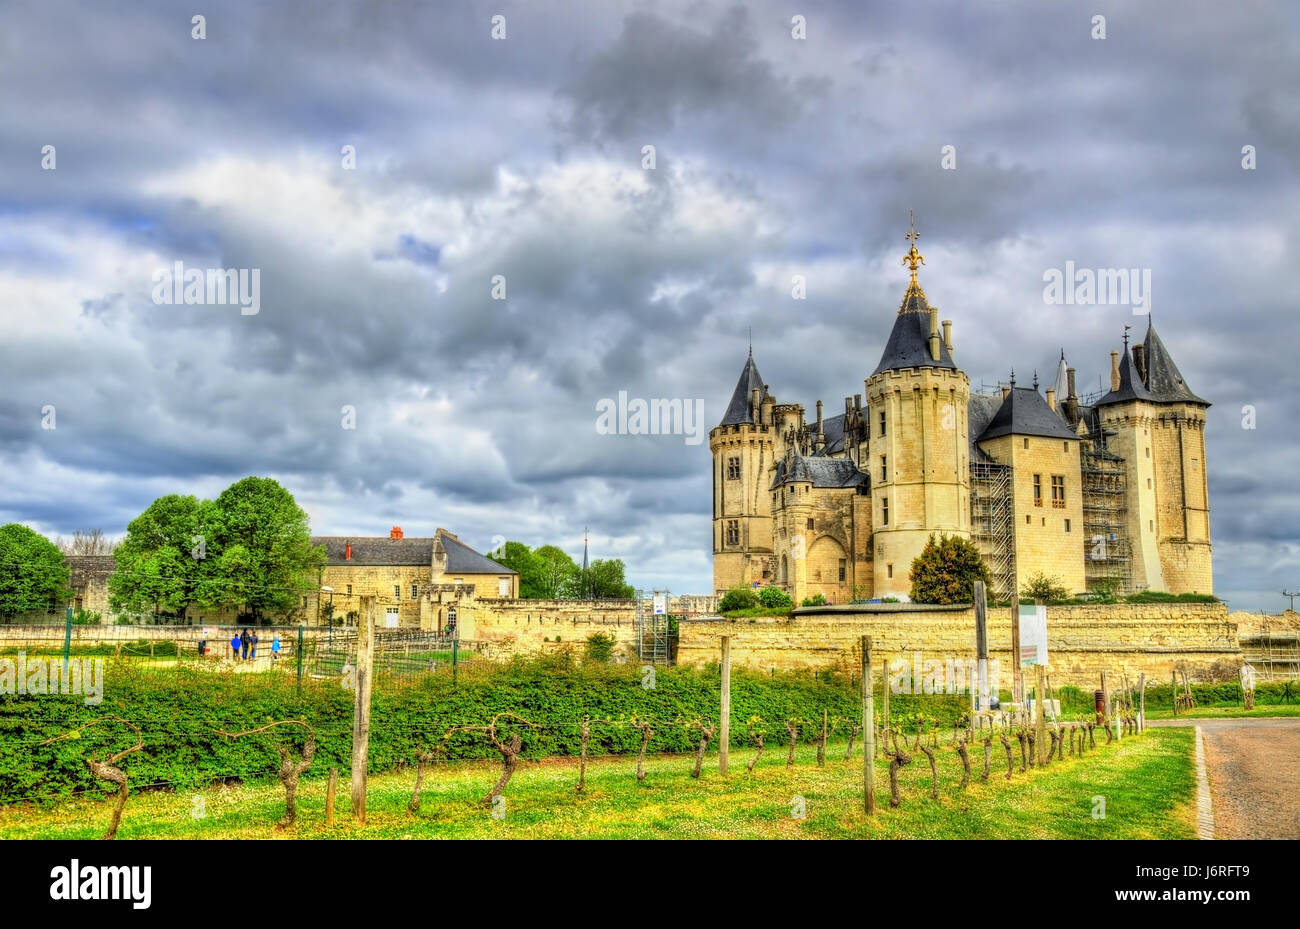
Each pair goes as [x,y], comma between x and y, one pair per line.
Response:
[347,552]
[395,532]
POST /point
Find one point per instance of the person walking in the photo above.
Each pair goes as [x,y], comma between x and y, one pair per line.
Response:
[254,644]
[275,649]
[245,642]
[234,646]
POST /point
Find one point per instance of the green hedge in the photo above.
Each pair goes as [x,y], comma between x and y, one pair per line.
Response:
[180,710]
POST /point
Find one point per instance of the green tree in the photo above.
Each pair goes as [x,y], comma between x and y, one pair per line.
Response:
[259,551]
[532,571]
[775,598]
[605,579]
[946,571]
[738,598]
[1041,587]
[558,573]
[162,559]
[33,574]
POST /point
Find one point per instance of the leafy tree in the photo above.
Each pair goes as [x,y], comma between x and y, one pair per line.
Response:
[259,551]
[532,571]
[605,579]
[161,561]
[775,598]
[814,600]
[946,571]
[600,647]
[738,598]
[33,574]
[559,575]
[1041,587]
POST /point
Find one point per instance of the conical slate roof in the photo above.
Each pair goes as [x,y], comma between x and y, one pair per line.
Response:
[1025,412]
[1130,385]
[1164,380]
[738,409]
[909,342]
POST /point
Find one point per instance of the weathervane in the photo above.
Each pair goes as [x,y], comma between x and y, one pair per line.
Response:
[913,257]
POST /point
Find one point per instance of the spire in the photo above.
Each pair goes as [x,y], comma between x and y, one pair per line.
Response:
[584,550]
[909,342]
[1164,379]
[738,410]
[1130,384]
[1062,385]
[1035,378]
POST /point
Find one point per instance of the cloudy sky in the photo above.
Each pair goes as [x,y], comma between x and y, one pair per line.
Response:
[523,157]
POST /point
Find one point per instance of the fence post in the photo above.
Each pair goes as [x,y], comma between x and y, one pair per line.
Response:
[1142,701]
[361,708]
[455,658]
[869,730]
[67,643]
[724,714]
[300,658]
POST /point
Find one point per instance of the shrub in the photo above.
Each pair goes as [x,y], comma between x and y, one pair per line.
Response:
[1048,589]
[738,598]
[86,618]
[600,647]
[946,571]
[814,600]
[775,598]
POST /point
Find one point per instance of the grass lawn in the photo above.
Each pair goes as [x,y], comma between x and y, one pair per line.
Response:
[1147,782]
[1227,712]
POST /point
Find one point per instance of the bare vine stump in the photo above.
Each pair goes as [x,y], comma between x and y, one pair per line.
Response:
[853,734]
[821,744]
[897,759]
[414,806]
[934,770]
[793,729]
[1092,742]
[1022,738]
[1011,764]
[1060,743]
[1110,736]
[646,733]
[509,761]
[330,790]
[289,774]
[965,764]
[107,772]
[988,755]
[706,733]
[758,740]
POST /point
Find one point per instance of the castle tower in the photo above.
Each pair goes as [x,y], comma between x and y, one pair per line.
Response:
[1129,412]
[1182,495]
[743,449]
[918,449]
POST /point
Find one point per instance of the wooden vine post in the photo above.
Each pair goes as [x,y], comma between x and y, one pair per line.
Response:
[361,708]
[1040,724]
[724,719]
[869,731]
[1142,701]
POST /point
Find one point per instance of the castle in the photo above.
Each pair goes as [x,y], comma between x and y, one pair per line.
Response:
[1107,493]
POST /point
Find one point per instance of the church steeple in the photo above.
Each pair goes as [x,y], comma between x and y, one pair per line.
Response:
[914,341]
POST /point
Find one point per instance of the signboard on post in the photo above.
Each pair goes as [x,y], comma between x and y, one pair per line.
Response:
[1033,634]
[660,603]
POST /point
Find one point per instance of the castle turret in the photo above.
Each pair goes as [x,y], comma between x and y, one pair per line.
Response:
[743,447]
[917,402]
[1182,495]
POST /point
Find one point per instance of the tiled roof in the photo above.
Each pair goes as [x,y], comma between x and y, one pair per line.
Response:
[1164,380]
[1130,385]
[738,409]
[909,341]
[822,472]
[1025,412]
[409,552]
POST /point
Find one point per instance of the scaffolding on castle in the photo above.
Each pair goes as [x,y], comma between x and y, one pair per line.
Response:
[1108,554]
[652,632]
[991,524]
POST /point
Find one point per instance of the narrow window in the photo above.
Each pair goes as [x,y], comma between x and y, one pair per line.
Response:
[349,590]
[397,591]
[1058,491]
[1065,447]
[884,468]
[884,511]
[1067,525]
[415,591]
[1038,490]
[843,570]
[1148,451]
[733,532]
[1026,519]
[1026,441]
[733,469]
[810,522]
[889,570]
[882,422]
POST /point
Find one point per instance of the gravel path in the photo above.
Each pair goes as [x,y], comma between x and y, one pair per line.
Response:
[1254,769]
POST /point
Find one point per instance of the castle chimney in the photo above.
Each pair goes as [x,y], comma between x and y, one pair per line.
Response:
[395,532]
[1140,360]
[347,552]
[1114,370]
[821,433]
[1006,391]
[768,403]
[857,401]
[1072,400]
[934,334]
[1051,398]
[1069,379]
[819,416]
[947,335]
[755,410]
[848,404]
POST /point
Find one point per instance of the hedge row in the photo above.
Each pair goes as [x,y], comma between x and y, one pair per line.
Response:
[181,710]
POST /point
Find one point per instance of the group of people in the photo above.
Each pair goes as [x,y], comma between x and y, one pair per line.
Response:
[244,646]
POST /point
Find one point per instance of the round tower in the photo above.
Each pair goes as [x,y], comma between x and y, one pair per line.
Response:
[918,449]
[743,448]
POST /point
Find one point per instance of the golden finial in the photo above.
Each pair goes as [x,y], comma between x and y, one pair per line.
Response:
[913,257]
